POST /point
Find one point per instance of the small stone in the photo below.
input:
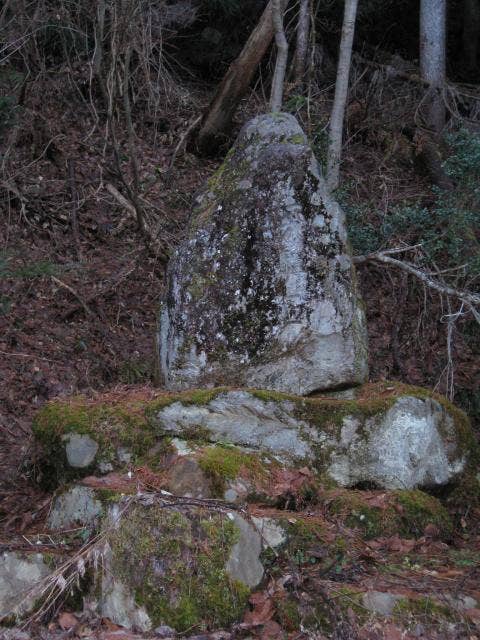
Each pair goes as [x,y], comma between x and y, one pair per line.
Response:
[164,631]
[187,479]
[462,602]
[76,506]
[230,495]
[105,467]
[418,630]
[244,561]
[273,535]
[380,603]
[124,455]
[19,574]
[181,447]
[80,449]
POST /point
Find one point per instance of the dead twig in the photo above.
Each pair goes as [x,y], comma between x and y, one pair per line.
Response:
[103,291]
[75,207]
[75,294]
[181,143]
[471,300]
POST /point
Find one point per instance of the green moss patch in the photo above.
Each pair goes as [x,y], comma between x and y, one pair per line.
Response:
[422,609]
[174,563]
[223,463]
[384,514]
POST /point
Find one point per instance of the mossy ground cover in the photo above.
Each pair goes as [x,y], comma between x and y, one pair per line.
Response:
[378,514]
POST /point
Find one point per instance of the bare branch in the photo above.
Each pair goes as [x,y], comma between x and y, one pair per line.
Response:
[472,300]
[276,98]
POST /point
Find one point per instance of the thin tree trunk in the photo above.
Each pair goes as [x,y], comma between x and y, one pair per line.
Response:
[303,29]
[276,98]
[341,93]
[471,33]
[433,17]
[217,120]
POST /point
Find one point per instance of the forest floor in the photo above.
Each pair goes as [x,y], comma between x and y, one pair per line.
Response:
[82,319]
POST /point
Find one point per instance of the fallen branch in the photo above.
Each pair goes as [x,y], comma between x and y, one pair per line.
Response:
[104,291]
[181,143]
[393,72]
[472,300]
[76,295]
[151,240]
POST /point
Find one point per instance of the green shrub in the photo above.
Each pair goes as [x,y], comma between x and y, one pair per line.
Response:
[448,230]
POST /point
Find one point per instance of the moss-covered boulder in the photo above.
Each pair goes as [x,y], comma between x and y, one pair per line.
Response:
[262,292]
[385,435]
[183,567]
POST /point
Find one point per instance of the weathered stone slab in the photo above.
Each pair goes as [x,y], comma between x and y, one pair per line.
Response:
[19,575]
[262,292]
[403,443]
[389,435]
[241,418]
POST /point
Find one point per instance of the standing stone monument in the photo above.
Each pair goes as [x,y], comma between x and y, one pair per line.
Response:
[262,291]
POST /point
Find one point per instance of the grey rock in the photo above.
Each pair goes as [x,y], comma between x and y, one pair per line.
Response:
[187,479]
[14,634]
[80,450]
[19,574]
[76,506]
[240,418]
[181,447]
[380,603]
[413,444]
[124,455]
[118,604]
[238,490]
[461,602]
[104,467]
[262,292]
[273,535]
[244,561]
[164,631]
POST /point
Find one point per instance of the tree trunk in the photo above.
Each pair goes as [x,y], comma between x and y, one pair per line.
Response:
[303,29]
[341,92]
[217,120]
[433,17]
[471,33]
[276,98]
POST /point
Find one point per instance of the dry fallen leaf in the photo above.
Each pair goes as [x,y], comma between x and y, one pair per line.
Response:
[67,621]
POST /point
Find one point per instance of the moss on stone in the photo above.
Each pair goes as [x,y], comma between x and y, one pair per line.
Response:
[222,463]
[404,512]
[419,510]
[110,425]
[198,397]
[174,562]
